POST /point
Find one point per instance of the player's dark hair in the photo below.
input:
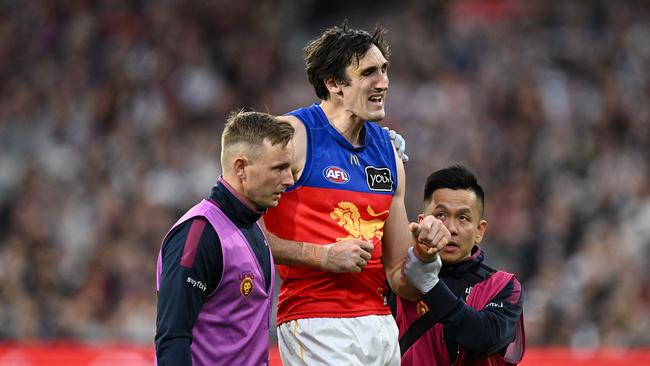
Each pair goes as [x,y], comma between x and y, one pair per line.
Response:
[327,55]
[453,177]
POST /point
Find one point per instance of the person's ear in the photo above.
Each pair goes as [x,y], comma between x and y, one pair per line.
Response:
[333,86]
[239,166]
[482,226]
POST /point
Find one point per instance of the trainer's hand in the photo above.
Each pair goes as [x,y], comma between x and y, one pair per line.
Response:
[349,255]
[430,236]
[399,143]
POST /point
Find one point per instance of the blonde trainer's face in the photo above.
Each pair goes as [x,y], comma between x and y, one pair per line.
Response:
[268,175]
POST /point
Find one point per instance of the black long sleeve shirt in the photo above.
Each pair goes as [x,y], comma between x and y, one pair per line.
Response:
[179,302]
[481,332]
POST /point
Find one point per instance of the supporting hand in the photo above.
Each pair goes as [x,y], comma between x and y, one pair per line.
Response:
[399,143]
[349,255]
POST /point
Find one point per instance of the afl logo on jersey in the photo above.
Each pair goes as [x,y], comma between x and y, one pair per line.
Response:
[336,175]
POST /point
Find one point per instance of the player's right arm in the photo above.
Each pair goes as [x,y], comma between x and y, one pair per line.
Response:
[348,255]
[193,251]
[344,256]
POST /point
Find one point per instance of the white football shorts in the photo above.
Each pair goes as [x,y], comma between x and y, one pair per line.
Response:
[362,341]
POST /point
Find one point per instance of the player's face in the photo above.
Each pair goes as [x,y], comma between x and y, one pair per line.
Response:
[458,210]
[365,95]
[269,174]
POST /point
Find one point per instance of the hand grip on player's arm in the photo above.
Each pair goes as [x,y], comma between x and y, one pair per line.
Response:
[422,275]
[399,143]
[350,255]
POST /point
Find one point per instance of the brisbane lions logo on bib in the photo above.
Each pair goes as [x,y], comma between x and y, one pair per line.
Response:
[246,286]
[379,179]
[422,308]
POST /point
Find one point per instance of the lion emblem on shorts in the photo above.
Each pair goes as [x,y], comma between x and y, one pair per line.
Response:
[348,216]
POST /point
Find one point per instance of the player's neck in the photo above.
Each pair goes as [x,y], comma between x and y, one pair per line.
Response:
[346,123]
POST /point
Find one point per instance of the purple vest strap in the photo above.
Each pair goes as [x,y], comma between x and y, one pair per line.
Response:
[431,349]
[480,296]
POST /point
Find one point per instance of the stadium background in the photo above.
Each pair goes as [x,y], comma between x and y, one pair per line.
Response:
[110,113]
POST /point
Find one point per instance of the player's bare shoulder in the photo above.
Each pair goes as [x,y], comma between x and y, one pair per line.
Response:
[299,144]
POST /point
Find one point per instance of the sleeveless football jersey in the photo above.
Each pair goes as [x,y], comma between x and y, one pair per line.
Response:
[343,192]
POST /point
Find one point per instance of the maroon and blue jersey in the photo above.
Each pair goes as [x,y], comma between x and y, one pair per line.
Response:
[343,192]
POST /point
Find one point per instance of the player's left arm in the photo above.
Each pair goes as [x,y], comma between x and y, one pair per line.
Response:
[397,239]
[429,236]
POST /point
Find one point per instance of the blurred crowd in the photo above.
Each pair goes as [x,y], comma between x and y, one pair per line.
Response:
[111,112]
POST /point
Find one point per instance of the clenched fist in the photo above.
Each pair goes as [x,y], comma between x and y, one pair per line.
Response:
[430,235]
